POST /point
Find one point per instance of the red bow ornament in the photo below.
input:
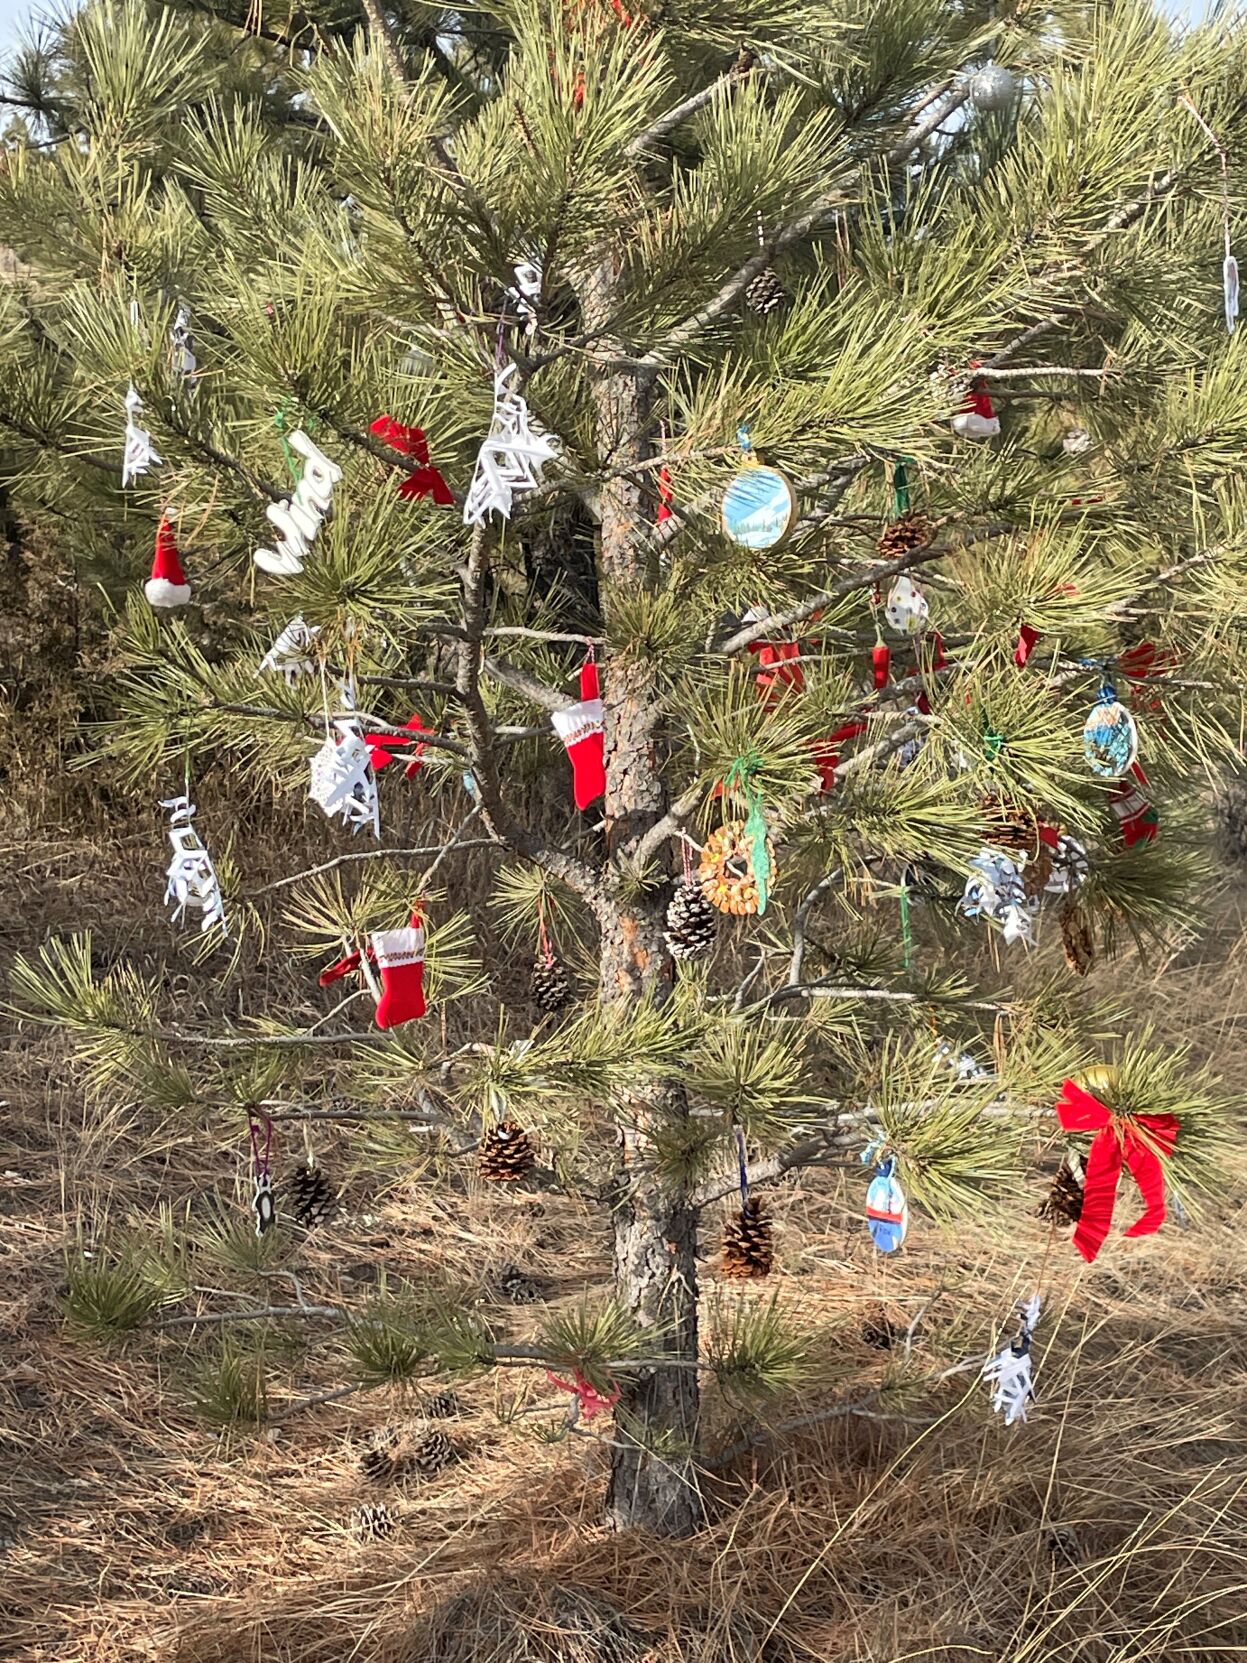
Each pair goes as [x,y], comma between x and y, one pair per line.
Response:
[1138,1140]
[382,746]
[424,480]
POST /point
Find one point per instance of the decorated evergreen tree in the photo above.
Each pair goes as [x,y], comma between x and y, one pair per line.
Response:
[760,488]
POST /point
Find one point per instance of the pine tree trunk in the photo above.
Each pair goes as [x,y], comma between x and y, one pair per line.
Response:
[653,1483]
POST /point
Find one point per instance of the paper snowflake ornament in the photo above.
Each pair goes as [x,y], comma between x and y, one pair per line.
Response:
[182,345]
[510,461]
[995,890]
[1010,1371]
[1070,866]
[291,653]
[526,292]
[191,880]
[298,519]
[140,453]
[342,781]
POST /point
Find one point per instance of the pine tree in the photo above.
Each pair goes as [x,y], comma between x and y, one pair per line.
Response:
[331,212]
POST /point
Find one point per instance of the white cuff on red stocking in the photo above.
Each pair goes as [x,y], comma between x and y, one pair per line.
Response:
[399,958]
[581,728]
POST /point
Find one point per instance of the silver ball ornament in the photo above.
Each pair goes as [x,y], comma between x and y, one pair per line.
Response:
[992,88]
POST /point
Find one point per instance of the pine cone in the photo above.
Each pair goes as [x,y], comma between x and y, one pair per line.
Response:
[748,1250]
[766,294]
[518,1288]
[550,987]
[879,1331]
[1077,939]
[1063,1202]
[506,1155]
[903,535]
[309,1196]
[430,1452]
[1009,825]
[441,1406]
[692,923]
[1037,871]
[374,1519]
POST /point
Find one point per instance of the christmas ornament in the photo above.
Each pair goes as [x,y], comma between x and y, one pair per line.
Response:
[518,1288]
[375,1519]
[1027,638]
[512,456]
[167,586]
[779,666]
[725,870]
[1140,823]
[1070,865]
[691,922]
[1010,1371]
[342,782]
[995,890]
[309,1196]
[298,519]
[581,728]
[140,453]
[1077,442]
[759,505]
[741,781]
[291,653]
[887,1210]
[906,609]
[1110,739]
[182,345]
[903,535]
[666,496]
[1229,265]
[526,293]
[399,957]
[748,1249]
[550,987]
[977,418]
[191,879]
[1138,1140]
[262,1203]
[827,752]
[1063,1202]
[1077,940]
[589,1401]
[424,480]
[1008,824]
[382,746]
[766,294]
[992,88]
[880,664]
[506,1155]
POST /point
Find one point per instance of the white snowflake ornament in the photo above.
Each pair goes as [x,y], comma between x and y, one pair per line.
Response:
[995,890]
[510,461]
[1010,1371]
[191,879]
[342,781]
[140,453]
[291,653]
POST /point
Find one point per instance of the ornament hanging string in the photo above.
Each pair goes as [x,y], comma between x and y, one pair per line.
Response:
[744,1168]
[260,1162]
[543,934]
[900,489]
[281,423]
[907,934]
[1230,266]
[741,777]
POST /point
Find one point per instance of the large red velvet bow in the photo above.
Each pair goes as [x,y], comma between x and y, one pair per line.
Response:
[1117,1139]
[424,480]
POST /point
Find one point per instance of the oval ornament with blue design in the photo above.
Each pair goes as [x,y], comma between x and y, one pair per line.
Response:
[887,1210]
[1110,739]
[759,508]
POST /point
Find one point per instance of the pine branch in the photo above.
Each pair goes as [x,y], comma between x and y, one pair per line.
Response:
[366,854]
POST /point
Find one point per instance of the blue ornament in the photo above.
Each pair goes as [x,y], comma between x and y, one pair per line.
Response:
[887,1211]
[759,507]
[1110,739]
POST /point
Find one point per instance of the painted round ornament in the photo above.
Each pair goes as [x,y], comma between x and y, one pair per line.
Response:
[887,1210]
[760,504]
[1110,739]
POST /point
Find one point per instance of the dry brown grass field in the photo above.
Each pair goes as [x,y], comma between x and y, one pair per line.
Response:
[897,1520]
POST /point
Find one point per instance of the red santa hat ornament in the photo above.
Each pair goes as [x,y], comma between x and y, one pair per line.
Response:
[977,418]
[167,586]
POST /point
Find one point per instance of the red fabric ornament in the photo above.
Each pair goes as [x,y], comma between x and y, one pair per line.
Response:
[1119,1138]
[167,586]
[1140,823]
[827,753]
[587,1395]
[1027,638]
[381,748]
[977,418]
[424,480]
[775,673]
[581,727]
[881,663]
[399,956]
[666,495]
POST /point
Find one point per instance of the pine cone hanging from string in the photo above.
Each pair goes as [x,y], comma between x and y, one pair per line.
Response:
[748,1249]
[766,294]
[506,1155]
[903,535]
[692,922]
[309,1196]
[1009,825]
[1063,1202]
[1077,939]
[550,987]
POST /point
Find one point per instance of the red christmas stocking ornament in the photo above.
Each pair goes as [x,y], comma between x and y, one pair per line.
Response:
[581,728]
[1140,823]
[400,962]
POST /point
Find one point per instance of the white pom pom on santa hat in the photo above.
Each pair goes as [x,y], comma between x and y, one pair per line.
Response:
[167,586]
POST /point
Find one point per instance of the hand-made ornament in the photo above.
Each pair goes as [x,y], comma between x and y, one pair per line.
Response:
[526,293]
[263,1204]
[977,418]
[424,480]
[587,1400]
[342,781]
[1138,1141]
[510,461]
[887,1210]
[182,345]
[291,653]
[382,747]
[760,505]
[191,879]
[1229,265]
[1138,818]
[995,890]
[906,610]
[167,586]
[298,519]
[581,727]
[742,778]
[1010,1372]
[1110,739]
[140,453]
[397,958]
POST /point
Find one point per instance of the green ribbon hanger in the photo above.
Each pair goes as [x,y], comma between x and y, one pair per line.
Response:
[281,423]
[740,777]
[907,934]
[900,489]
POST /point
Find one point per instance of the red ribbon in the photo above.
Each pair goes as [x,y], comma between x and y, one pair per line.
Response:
[827,753]
[591,1400]
[1027,637]
[775,673]
[381,748]
[1118,1139]
[666,495]
[424,480]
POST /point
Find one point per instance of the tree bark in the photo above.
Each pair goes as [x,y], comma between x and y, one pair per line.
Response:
[653,1484]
